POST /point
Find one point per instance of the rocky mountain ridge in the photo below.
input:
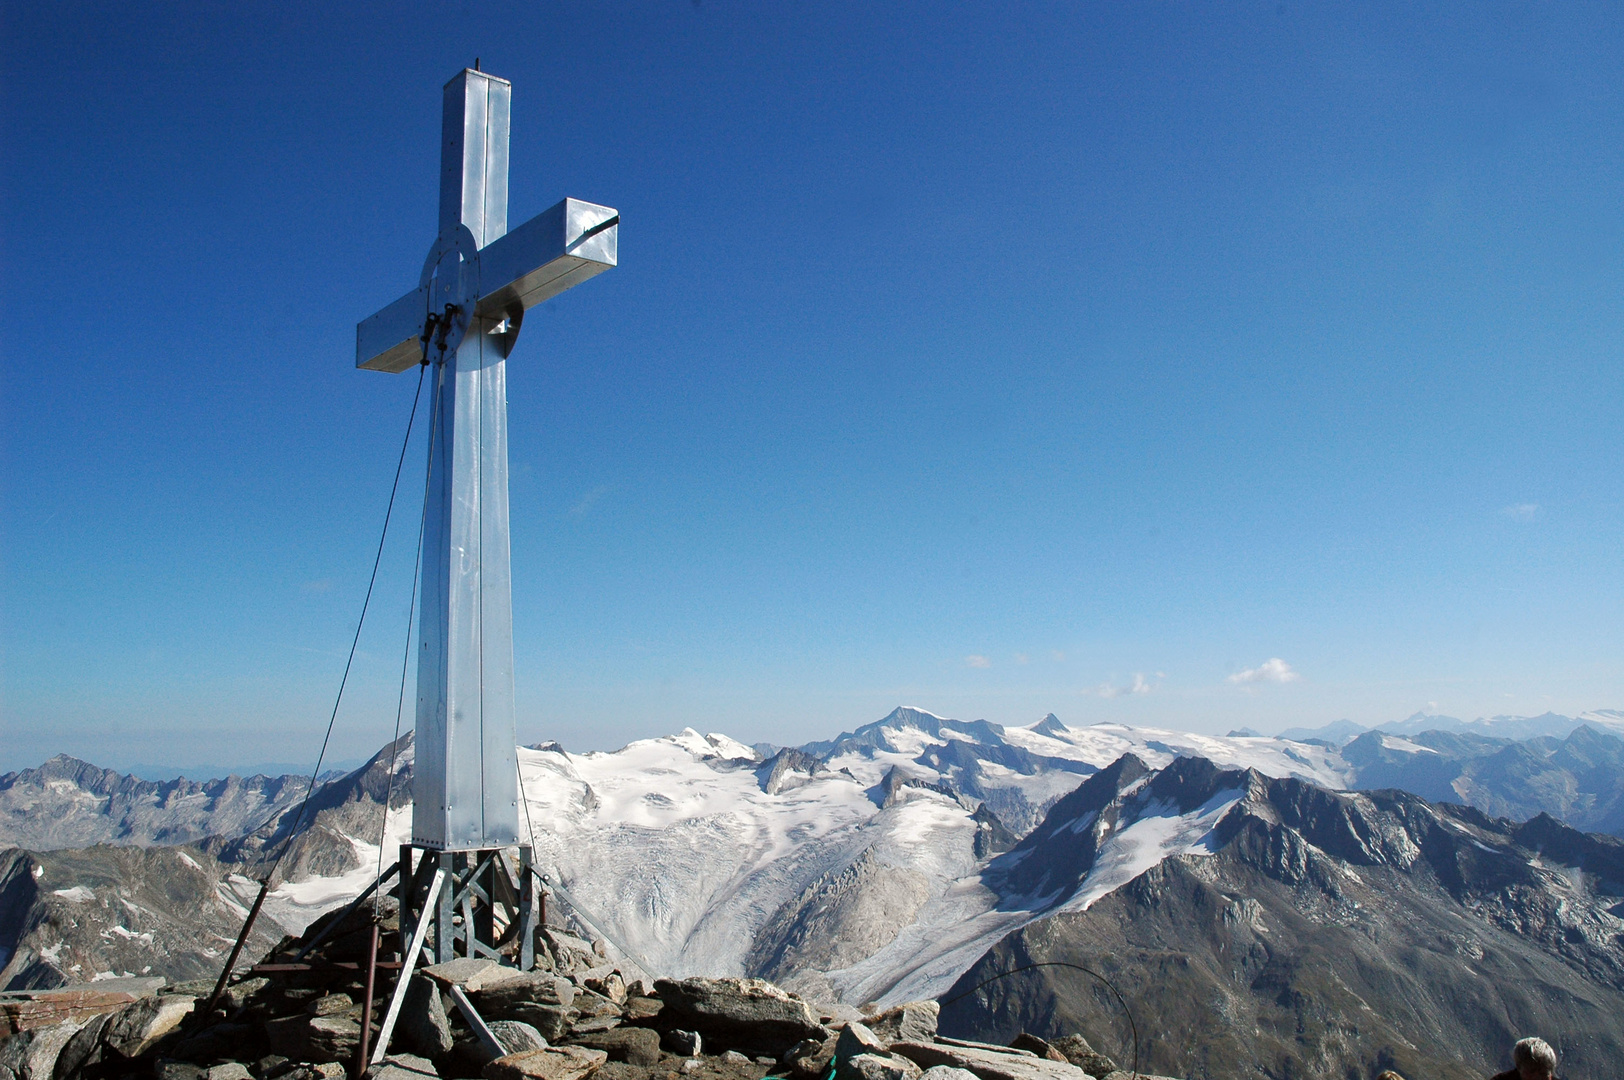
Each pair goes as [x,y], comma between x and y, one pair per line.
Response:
[68,803]
[1308,932]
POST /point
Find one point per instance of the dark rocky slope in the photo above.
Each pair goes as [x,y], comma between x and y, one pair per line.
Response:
[71,916]
[1328,935]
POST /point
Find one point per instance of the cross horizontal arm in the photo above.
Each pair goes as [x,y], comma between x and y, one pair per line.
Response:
[556,250]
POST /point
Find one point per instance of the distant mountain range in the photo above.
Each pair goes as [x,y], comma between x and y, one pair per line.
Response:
[1243,877]
[1545,725]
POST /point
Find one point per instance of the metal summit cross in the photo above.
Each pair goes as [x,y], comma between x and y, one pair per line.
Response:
[464,317]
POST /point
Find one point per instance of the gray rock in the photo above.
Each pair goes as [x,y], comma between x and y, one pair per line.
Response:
[876,1067]
[588,1003]
[605,980]
[733,1057]
[215,1042]
[84,1049]
[177,1070]
[1084,1056]
[855,1039]
[424,1025]
[402,1067]
[231,1070]
[685,1043]
[749,1013]
[987,1062]
[973,1045]
[469,972]
[946,1072]
[640,1007]
[136,1029]
[595,1023]
[498,999]
[333,1039]
[516,1036]
[32,1054]
[633,1045]
[270,1065]
[316,1039]
[569,953]
[551,1021]
[912,1021]
[237,995]
[1029,1042]
[330,1005]
[553,1063]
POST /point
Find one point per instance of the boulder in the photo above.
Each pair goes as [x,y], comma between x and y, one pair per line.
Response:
[498,999]
[176,1070]
[880,1066]
[424,1025]
[681,1042]
[1084,1056]
[24,1010]
[238,994]
[594,1023]
[747,1013]
[83,1049]
[269,1066]
[946,1072]
[855,1039]
[231,1070]
[516,1036]
[733,1057]
[469,972]
[605,980]
[640,1009]
[633,1045]
[330,1005]
[987,1062]
[314,1038]
[552,1022]
[567,952]
[912,1021]
[588,1003]
[1029,1042]
[402,1067]
[138,1028]
[32,1054]
[553,1063]
[217,1041]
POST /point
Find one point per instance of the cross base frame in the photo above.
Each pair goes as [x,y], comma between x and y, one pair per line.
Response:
[480,911]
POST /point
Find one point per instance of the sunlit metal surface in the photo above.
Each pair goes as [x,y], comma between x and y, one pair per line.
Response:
[476,284]
[528,266]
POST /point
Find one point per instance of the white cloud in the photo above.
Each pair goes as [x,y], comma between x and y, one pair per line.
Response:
[978,661]
[1138,686]
[1271,670]
[1521,511]
[1022,658]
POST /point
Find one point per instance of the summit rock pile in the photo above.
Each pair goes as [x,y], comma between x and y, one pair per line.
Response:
[576,1015]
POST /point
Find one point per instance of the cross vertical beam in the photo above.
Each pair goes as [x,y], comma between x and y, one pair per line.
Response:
[464,317]
[466,787]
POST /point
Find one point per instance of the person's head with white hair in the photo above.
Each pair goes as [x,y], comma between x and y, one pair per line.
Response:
[1535,1060]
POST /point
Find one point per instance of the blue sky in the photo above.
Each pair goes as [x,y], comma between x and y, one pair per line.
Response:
[1075,358]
